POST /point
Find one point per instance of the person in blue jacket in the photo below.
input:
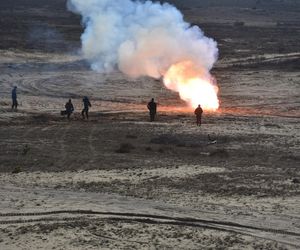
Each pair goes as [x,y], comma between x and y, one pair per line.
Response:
[14,98]
[86,106]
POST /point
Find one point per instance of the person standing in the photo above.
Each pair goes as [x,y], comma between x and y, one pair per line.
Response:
[14,98]
[198,113]
[86,106]
[152,106]
[69,108]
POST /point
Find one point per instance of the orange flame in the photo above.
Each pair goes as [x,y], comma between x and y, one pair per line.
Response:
[195,86]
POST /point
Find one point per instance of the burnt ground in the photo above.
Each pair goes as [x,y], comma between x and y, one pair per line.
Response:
[241,166]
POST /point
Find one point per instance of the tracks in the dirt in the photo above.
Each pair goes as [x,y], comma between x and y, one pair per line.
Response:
[92,149]
[74,215]
[267,60]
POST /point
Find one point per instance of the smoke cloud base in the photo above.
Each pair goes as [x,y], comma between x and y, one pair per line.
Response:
[141,38]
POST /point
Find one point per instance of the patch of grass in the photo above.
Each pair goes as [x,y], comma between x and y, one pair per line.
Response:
[41,118]
[219,153]
[161,150]
[17,170]
[130,136]
[166,140]
[125,148]
[272,125]
[25,150]
[3,103]
[239,24]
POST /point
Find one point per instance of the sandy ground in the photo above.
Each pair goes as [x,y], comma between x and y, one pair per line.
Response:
[118,181]
[245,172]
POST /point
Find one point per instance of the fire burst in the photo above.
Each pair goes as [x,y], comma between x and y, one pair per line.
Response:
[195,86]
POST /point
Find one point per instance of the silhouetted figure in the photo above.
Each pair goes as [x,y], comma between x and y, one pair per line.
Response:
[69,108]
[14,98]
[86,106]
[152,106]
[198,113]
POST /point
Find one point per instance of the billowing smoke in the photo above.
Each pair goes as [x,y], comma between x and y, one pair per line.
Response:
[141,38]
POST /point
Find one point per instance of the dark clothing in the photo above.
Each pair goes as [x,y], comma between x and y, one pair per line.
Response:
[14,99]
[86,106]
[198,113]
[14,104]
[14,94]
[85,113]
[69,109]
[86,103]
[199,120]
[152,106]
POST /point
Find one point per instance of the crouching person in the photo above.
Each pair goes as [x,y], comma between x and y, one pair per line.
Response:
[69,109]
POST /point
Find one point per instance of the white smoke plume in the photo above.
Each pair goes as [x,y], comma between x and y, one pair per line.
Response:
[140,38]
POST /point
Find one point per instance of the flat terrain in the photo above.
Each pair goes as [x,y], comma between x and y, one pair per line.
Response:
[118,181]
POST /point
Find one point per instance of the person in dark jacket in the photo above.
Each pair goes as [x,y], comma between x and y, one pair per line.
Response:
[152,106]
[14,98]
[86,106]
[198,113]
[69,108]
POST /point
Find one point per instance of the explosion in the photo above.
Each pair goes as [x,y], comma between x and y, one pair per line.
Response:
[144,38]
[195,86]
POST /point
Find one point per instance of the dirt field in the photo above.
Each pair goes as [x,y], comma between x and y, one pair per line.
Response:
[118,181]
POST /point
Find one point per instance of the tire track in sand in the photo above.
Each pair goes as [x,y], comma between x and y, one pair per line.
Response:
[62,144]
[91,147]
[282,236]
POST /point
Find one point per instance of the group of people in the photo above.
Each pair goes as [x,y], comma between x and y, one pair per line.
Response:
[69,108]
[152,107]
